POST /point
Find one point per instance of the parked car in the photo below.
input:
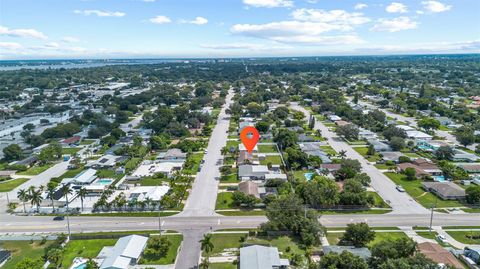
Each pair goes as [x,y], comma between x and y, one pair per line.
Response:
[400,188]
[59,218]
[442,238]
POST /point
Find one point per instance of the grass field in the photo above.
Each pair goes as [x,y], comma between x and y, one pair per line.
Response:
[273,159]
[85,142]
[35,170]
[224,200]
[242,213]
[461,236]
[267,148]
[84,248]
[12,184]
[21,250]
[196,159]
[378,200]
[176,240]
[222,265]
[68,174]
[70,151]
[371,158]
[334,238]
[328,150]
[414,189]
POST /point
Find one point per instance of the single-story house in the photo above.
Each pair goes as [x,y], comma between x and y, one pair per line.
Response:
[445,190]
[85,177]
[463,156]
[149,168]
[252,172]
[444,120]
[414,134]
[74,140]
[297,129]
[330,167]
[106,161]
[154,193]
[334,117]
[405,128]
[430,145]
[249,187]
[28,162]
[305,138]
[124,253]
[261,257]
[241,148]
[247,158]
[363,253]
[473,168]
[438,254]
[244,124]
[275,175]
[342,123]
[391,156]
[422,168]
[366,134]
[172,154]
[379,146]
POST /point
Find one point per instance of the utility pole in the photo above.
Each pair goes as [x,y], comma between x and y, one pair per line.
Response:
[68,226]
[431,213]
[8,200]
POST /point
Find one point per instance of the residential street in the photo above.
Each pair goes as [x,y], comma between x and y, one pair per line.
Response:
[401,203]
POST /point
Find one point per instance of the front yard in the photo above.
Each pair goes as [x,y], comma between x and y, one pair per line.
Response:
[21,250]
[37,169]
[371,158]
[12,184]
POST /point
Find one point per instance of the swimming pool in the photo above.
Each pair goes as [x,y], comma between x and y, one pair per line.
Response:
[439,178]
[104,181]
[309,175]
[81,266]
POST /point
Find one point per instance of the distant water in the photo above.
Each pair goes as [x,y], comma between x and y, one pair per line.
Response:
[69,64]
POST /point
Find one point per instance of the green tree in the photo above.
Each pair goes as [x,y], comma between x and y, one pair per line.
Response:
[55,257]
[12,152]
[320,192]
[24,197]
[397,143]
[349,131]
[82,193]
[410,173]
[254,109]
[391,249]
[285,138]
[28,263]
[36,199]
[357,234]
[371,150]
[344,260]
[473,194]
[51,190]
[444,153]
[206,244]
[428,124]
[465,135]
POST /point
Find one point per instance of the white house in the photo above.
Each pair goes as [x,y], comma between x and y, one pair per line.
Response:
[125,253]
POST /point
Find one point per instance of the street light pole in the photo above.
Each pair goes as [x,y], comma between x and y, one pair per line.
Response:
[431,213]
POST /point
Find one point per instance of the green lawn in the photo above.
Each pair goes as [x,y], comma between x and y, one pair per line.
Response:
[107,173]
[87,141]
[21,250]
[12,184]
[267,148]
[232,143]
[431,235]
[334,238]
[70,151]
[152,181]
[412,155]
[328,150]
[223,241]
[230,178]
[273,159]
[242,213]
[415,190]
[132,164]
[195,159]
[462,236]
[176,240]
[84,248]
[35,170]
[224,200]
[378,200]
[130,214]
[68,174]
[354,211]
[384,166]
[371,158]
[222,265]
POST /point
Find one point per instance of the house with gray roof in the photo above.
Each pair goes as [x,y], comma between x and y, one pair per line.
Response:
[261,257]
[445,190]
[379,146]
[125,253]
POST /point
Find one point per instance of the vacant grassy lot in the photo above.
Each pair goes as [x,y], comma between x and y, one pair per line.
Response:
[21,250]
[273,159]
[224,200]
[70,151]
[35,170]
[176,240]
[195,159]
[371,158]
[414,189]
[466,236]
[87,141]
[267,148]
[334,238]
[12,184]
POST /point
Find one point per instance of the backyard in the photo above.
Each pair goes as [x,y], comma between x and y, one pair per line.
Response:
[21,250]
[176,240]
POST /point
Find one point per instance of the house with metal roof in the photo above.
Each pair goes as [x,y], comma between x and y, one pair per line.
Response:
[84,178]
[261,257]
[379,146]
[124,253]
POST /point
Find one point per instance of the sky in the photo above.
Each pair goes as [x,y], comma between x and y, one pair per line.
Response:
[69,29]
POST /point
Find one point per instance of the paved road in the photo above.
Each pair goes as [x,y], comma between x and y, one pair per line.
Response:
[401,203]
[201,201]
[17,224]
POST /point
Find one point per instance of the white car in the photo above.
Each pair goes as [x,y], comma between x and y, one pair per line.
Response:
[400,188]
[442,238]
[205,151]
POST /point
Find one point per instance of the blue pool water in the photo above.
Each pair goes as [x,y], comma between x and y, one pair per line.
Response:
[104,181]
[309,175]
[439,178]
[81,266]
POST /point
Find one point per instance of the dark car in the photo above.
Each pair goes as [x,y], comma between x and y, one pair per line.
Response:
[58,218]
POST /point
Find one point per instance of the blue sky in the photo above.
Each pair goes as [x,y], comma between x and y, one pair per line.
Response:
[42,29]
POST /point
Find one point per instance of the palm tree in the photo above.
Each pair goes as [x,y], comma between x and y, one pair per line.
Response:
[224,151]
[51,190]
[206,243]
[205,264]
[91,264]
[342,154]
[36,199]
[65,192]
[148,202]
[82,193]
[23,196]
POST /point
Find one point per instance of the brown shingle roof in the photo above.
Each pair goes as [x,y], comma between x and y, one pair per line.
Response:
[436,253]
[249,187]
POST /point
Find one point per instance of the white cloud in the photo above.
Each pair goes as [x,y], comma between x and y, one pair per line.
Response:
[70,39]
[10,45]
[336,17]
[243,46]
[99,13]
[296,32]
[360,6]
[394,25]
[396,7]
[268,3]
[435,6]
[437,47]
[27,33]
[53,45]
[160,19]
[197,21]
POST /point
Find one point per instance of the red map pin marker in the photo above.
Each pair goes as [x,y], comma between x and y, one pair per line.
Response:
[249,137]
